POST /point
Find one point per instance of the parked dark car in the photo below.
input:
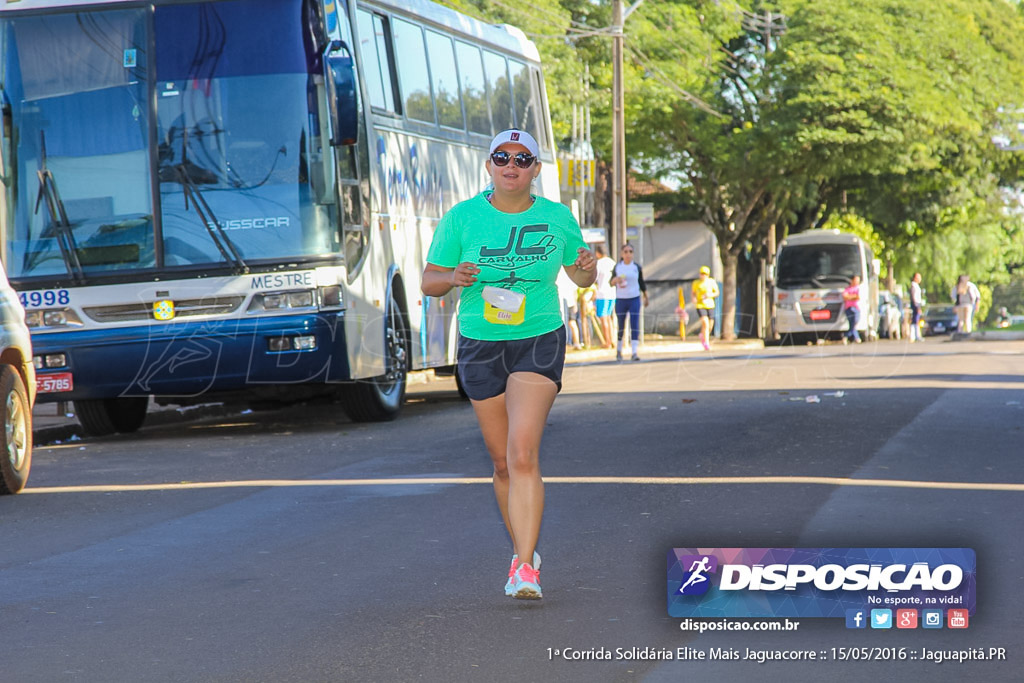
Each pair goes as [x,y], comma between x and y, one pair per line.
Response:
[939,320]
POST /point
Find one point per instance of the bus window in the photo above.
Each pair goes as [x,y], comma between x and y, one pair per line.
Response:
[500,94]
[79,124]
[527,103]
[445,79]
[376,54]
[474,88]
[231,123]
[413,74]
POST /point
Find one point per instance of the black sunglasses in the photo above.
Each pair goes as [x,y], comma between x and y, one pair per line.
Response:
[522,159]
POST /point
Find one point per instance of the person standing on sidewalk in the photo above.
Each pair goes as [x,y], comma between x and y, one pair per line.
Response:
[851,307]
[916,304]
[966,298]
[604,301]
[628,277]
[705,291]
[511,346]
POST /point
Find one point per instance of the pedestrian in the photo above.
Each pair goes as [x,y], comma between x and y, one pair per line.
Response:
[975,301]
[851,307]
[705,291]
[628,278]
[588,314]
[966,299]
[604,301]
[916,304]
[511,346]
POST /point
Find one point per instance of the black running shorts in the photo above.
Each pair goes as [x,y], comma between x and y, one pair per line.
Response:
[484,366]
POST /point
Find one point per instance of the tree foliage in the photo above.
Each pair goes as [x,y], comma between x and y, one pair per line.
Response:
[785,112]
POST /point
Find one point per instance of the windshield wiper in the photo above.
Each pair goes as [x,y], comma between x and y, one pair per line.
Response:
[64,235]
[194,194]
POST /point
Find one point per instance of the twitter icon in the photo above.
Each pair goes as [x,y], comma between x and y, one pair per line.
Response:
[881,618]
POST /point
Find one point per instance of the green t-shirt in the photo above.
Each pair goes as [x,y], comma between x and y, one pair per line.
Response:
[521,252]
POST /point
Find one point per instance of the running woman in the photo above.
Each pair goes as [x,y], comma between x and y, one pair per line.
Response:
[705,291]
[628,277]
[504,248]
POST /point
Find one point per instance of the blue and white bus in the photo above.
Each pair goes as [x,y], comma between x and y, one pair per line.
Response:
[233,199]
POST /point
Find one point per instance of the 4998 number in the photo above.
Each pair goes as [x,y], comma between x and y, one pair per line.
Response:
[45,297]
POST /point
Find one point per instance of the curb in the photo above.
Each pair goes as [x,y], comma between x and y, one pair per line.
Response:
[988,335]
[664,347]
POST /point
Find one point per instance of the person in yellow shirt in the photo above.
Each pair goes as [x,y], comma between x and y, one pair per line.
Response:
[705,291]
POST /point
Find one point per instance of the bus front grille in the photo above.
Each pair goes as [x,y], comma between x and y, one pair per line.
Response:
[188,308]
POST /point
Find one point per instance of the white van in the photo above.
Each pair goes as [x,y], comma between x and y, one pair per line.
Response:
[811,271]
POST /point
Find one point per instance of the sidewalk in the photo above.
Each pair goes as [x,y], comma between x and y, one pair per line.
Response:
[52,425]
[655,345]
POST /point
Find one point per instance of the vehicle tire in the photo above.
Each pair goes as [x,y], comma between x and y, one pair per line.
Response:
[104,416]
[379,399]
[17,433]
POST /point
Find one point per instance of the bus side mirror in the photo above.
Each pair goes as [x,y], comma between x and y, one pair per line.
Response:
[770,273]
[340,77]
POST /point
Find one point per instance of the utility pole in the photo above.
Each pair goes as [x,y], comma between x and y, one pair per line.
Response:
[617,236]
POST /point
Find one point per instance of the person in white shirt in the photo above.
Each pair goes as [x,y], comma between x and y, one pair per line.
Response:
[916,304]
[604,301]
[628,277]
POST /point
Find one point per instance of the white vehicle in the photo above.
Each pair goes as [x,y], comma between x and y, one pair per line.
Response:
[811,271]
[234,198]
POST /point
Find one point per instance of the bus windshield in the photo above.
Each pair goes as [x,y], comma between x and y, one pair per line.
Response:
[115,144]
[818,265]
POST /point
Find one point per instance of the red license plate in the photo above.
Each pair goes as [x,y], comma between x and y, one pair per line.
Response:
[823,314]
[54,383]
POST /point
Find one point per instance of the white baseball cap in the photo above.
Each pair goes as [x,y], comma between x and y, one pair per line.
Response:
[518,136]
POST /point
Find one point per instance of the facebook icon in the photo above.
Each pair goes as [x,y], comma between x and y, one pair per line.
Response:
[856,618]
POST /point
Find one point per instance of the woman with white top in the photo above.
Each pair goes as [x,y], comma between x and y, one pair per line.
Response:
[628,277]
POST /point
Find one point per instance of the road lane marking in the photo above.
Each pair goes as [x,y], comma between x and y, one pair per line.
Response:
[449,481]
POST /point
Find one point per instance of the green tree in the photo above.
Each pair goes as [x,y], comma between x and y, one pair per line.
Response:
[783,112]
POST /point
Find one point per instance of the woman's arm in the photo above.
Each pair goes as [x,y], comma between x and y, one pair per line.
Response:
[438,281]
[584,271]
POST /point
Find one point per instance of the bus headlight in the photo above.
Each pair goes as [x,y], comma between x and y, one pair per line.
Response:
[298,299]
[49,361]
[330,296]
[52,317]
[302,299]
[281,301]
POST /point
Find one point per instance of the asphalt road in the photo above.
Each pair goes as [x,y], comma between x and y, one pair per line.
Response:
[264,547]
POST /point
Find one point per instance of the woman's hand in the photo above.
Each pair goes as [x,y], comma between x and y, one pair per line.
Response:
[585,259]
[438,281]
[465,274]
[583,270]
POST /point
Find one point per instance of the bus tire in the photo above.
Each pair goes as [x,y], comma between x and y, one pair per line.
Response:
[16,438]
[105,416]
[379,399]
